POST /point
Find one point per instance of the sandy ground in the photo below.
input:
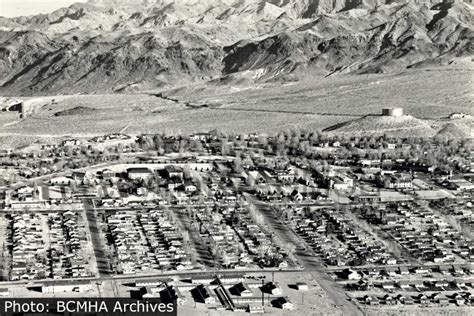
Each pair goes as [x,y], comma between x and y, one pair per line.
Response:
[315,103]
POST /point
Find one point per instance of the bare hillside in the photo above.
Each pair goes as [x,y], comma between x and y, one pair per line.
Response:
[115,46]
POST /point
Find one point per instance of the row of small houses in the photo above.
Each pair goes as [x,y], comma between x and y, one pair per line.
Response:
[65,256]
[130,232]
[426,235]
[316,232]
[404,270]
[254,237]
[433,247]
[412,285]
[28,253]
[435,299]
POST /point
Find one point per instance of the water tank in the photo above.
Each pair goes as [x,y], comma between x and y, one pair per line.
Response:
[397,112]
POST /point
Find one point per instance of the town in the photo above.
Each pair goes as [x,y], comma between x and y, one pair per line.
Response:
[255,223]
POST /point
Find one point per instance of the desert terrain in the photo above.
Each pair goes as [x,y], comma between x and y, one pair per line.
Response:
[317,103]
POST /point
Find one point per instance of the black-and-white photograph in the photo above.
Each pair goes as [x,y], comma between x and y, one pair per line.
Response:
[232,157]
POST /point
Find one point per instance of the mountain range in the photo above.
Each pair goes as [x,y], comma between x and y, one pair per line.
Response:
[121,46]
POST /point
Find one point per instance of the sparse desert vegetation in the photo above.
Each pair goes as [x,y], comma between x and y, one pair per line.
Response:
[313,104]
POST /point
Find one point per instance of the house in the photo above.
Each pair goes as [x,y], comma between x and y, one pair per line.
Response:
[367,198]
[396,181]
[302,286]
[423,299]
[203,279]
[391,146]
[469,268]
[460,284]
[203,294]
[255,177]
[405,300]
[106,174]
[418,285]
[404,285]
[373,272]
[138,173]
[201,137]
[460,185]
[141,191]
[350,274]
[457,270]
[369,300]
[443,269]
[4,292]
[341,182]
[421,270]
[403,270]
[388,286]
[172,172]
[389,300]
[469,297]
[139,293]
[78,175]
[272,288]
[391,261]
[189,187]
[71,142]
[5,153]
[459,299]
[255,309]
[441,284]
[364,285]
[25,193]
[296,196]
[170,293]
[286,175]
[282,303]
[241,289]
[439,299]
[458,115]
[391,271]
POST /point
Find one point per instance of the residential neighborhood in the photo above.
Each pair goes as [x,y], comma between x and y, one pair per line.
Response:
[211,220]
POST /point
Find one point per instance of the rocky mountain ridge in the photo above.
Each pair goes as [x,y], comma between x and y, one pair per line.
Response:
[119,45]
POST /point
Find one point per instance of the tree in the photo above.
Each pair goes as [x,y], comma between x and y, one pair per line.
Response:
[237,165]
[224,148]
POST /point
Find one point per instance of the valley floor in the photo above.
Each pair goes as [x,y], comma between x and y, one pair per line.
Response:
[315,104]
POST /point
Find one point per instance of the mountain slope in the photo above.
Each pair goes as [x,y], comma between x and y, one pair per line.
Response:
[111,45]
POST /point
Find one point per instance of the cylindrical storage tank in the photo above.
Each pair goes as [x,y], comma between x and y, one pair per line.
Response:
[393,112]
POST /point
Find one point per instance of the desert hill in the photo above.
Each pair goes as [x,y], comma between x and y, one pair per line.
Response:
[118,45]
[404,126]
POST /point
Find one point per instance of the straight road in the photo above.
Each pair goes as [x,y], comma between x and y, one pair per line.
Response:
[310,262]
[98,239]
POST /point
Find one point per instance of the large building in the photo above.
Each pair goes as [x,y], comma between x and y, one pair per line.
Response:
[396,181]
[139,173]
[394,112]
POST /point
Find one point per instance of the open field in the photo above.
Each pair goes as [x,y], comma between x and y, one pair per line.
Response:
[427,94]
[313,104]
